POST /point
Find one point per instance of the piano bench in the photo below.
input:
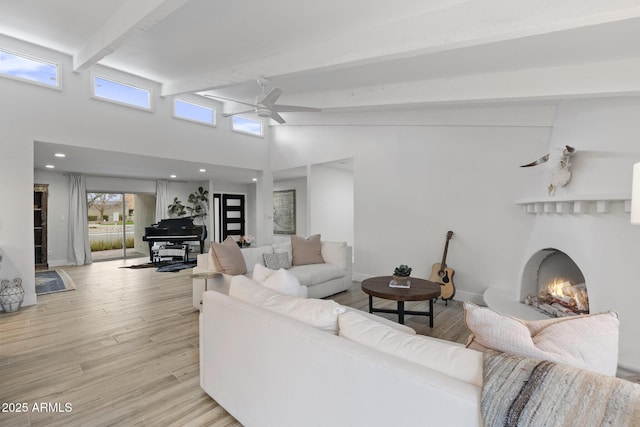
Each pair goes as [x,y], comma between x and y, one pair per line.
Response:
[169,252]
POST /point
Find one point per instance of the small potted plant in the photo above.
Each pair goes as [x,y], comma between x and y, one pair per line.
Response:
[401,274]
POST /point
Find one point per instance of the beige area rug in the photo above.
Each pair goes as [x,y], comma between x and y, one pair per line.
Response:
[52,281]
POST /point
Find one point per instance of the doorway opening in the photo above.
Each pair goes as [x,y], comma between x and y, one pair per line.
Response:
[229,216]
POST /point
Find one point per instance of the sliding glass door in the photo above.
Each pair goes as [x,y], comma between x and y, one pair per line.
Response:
[111,225]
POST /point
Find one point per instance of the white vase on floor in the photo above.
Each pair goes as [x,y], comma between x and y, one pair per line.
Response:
[11,294]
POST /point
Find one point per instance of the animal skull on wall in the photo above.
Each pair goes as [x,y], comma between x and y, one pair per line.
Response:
[558,165]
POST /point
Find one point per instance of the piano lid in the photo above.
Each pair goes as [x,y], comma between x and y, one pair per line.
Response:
[179,228]
[174,223]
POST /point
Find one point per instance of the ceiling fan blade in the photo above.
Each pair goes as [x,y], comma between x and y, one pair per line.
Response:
[253,110]
[228,99]
[277,117]
[269,99]
[293,108]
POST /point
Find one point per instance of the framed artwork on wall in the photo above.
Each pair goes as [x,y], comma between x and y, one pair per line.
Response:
[284,212]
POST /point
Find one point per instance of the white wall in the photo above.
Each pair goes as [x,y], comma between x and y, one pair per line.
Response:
[300,185]
[324,203]
[101,184]
[16,217]
[331,203]
[72,117]
[458,169]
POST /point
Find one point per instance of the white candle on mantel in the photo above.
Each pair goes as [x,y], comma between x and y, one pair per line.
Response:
[635,195]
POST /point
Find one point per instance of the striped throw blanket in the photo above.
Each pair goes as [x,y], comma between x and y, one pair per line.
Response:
[520,391]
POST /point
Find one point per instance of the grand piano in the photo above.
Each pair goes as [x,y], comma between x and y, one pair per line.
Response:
[175,231]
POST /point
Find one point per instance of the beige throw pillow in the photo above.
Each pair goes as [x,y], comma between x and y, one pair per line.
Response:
[588,342]
[227,257]
[306,251]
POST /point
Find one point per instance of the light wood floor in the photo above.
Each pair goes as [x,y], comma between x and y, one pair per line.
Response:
[122,349]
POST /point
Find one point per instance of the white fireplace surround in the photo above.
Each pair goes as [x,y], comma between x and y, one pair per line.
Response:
[584,237]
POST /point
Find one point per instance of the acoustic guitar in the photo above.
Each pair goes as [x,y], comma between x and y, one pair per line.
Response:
[443,275]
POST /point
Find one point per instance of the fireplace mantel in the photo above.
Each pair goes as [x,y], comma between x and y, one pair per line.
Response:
[574,204]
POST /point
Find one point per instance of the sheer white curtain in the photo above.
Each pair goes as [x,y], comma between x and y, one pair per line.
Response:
[79,248]
[161,200]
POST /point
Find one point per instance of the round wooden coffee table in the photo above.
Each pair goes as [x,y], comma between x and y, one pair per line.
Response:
[420,290]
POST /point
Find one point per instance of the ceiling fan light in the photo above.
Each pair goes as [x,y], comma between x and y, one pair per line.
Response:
[263,112]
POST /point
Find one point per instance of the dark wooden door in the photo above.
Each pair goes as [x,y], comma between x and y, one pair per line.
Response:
[40,201]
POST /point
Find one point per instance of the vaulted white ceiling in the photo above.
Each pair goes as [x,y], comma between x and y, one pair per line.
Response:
[350,54]
[340,55]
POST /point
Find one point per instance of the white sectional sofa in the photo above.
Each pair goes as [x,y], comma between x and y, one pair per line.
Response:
[268,369]
[276,359]
[328,278]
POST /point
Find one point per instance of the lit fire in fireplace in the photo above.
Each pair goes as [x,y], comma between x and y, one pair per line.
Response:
[561,298]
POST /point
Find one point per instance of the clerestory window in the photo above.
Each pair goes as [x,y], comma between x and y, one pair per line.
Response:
[244,125]
[194,112]
[121,93]
[25,68]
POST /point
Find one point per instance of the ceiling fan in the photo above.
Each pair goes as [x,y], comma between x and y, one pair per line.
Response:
[265,105]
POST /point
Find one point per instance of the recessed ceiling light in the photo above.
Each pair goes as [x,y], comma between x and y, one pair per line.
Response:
[60,155]
[172,176]
[203,170]
[49,166]
[254,179]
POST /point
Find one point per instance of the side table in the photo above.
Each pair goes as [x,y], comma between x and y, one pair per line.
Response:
[206,276]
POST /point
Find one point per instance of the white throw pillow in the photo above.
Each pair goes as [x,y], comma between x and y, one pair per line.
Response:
[322,314]
[261,273]
[588,342]
[279,280]
[449,358]
[335,253]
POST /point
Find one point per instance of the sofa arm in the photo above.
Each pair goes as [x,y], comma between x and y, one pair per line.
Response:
[203,261]
[337,253]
